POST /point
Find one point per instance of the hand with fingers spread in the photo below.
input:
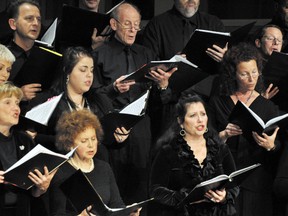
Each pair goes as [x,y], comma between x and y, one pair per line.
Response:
[41,181]
[217,52]
[217,196]
[265,141]
[270,92]
[230,130]
[97,41]
[121,134]
[122,86]
[30,90]
[162,77]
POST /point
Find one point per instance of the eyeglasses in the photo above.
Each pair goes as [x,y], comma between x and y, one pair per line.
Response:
[245,76]
[272,39]
[129,26]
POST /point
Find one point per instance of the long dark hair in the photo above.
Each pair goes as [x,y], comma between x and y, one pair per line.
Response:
[71,57]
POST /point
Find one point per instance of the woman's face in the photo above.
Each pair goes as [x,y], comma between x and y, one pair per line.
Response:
[195,120]
[5,69]
[9,111]
[247,75]
[81,77]
[87,141]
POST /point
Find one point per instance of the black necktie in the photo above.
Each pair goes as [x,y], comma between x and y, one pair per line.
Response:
[129,60]
[187,31]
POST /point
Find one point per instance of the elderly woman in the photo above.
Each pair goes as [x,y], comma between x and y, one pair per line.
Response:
[190,154]
[14,145]
[6,61]
[82,128]
[242,80]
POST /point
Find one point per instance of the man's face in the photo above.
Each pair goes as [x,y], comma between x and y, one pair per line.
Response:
[91,4]
[127,25]
[284,12]
[187,7]
[271,41]
[28,23]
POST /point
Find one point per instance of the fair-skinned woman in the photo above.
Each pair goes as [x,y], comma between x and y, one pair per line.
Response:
[14,145]
[241,79]
[190,154]
[75,81]
[82,128]
[6,61]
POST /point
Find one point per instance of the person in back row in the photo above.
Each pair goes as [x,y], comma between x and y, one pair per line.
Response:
[114,59]
[167,34]
[25,21]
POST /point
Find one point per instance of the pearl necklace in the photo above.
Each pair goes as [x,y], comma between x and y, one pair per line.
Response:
[77,165]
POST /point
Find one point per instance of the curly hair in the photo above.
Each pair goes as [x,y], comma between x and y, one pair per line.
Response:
[71,124]
[243,52]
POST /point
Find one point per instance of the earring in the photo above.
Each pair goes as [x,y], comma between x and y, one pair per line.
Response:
[182,132]
[206,130]
[67,80]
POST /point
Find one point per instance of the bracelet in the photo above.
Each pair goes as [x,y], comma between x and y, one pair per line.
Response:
[162,88]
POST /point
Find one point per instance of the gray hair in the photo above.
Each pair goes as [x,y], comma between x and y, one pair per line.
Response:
[6,54]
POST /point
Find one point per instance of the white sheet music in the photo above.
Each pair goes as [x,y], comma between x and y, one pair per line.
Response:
[136,107]
[43,112]
[49,36]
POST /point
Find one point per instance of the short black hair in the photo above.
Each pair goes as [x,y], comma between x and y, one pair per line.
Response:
[13,7]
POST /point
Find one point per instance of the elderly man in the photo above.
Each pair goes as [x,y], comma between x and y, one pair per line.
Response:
[115,58]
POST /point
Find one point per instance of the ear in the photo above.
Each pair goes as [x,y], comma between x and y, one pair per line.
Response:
[12,23]
[258,43]
[113,24]
[179,122]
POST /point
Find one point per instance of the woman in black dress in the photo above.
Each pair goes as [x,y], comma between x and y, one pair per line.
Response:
[242,80]
[75,81]
[190,154]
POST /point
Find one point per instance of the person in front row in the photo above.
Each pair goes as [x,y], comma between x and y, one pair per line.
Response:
[14,145]
[189,154]
[241,80]
[82,128]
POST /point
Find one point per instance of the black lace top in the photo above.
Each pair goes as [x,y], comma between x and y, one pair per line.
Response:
[176,171]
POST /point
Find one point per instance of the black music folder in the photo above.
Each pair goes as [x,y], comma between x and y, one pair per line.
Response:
[127,117]
[249,121]
[40,67]
[218,183]
[186,76]
[201,39]
[37,158]
[275,71]
[81,193]
[78,25]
